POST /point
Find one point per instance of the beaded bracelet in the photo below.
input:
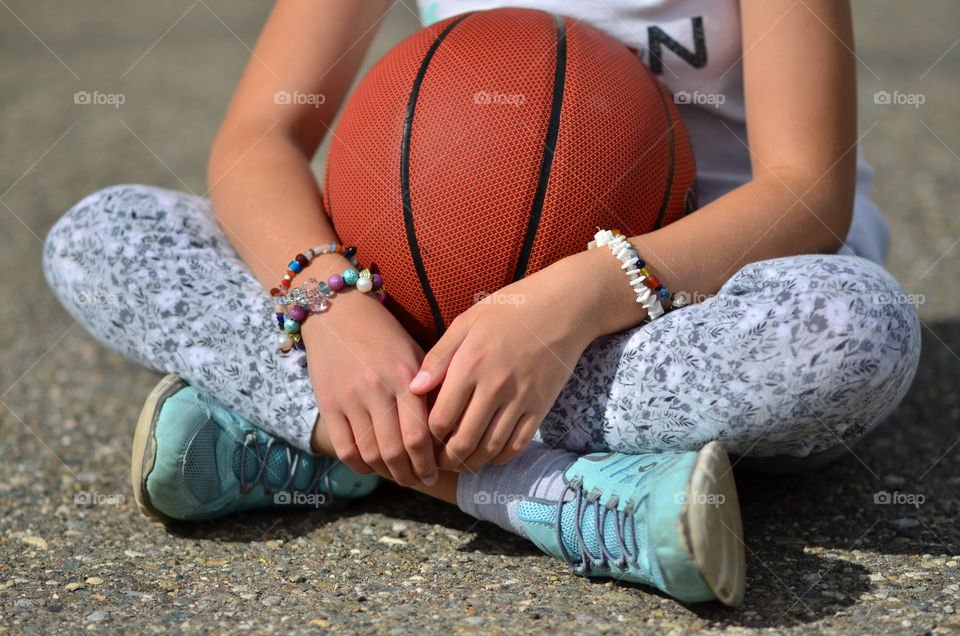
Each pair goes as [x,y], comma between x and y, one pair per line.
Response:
[302,260]
[649,290]
[292,308]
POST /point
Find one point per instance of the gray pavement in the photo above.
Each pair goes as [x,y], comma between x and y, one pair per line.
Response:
[822,555]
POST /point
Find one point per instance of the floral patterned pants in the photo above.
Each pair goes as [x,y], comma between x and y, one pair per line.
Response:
[795,357]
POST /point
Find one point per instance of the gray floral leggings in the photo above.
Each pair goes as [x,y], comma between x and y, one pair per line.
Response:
[795,357]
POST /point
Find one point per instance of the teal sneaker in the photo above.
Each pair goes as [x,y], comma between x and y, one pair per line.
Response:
[670,520]
[194,459]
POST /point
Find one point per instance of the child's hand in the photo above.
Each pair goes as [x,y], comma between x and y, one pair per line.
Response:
[503,363]
[361,361]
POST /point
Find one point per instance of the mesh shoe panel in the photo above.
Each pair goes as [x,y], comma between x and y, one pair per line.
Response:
[202,482]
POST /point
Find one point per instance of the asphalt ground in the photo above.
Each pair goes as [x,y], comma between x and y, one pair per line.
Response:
[75,555]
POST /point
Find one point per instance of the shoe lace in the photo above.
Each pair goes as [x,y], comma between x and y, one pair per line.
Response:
[629,550]
[320,483]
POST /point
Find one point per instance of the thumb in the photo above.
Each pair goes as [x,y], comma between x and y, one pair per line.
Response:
[436,361]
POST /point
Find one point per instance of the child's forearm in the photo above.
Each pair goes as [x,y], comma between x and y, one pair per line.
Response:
[800,97]
[264,193]
[266,199]
[697,254]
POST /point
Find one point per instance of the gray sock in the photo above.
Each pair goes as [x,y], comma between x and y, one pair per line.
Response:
[493,492]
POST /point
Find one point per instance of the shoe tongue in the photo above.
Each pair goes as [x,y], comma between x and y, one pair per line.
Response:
[624,472]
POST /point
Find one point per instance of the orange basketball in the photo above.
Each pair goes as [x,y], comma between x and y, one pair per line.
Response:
[489,145]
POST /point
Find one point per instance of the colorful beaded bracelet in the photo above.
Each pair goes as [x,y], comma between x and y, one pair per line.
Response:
[302,260]
[649,290]
[292,308]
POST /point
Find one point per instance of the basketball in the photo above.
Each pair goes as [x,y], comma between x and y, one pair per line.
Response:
[489,145]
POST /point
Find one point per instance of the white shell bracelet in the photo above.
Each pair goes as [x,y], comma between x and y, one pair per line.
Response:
[648,289]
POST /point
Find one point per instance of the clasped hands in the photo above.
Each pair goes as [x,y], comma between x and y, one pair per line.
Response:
[495,373]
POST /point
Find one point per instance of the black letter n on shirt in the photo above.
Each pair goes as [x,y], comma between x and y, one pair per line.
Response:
[657,38]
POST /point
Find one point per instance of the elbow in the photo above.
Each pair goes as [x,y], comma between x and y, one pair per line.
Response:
[252,138]
[830,244]
[234,141]
[833,207]
[831,189]
[831,223]
[215,158]
[822,202]
[225,145]
[825,221]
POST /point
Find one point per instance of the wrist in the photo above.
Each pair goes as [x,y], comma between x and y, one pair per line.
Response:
[608,302]
[344,308]
[324,265]
[348,309]
[602,299]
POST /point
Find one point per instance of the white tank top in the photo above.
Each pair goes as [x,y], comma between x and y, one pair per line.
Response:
[694,48]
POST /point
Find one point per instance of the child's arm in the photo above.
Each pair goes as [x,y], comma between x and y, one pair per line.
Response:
[801,101]
[267,200]
[264,193]
[505,365]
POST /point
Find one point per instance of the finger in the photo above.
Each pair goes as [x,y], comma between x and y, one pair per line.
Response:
[452,400]
[417,439]
[386,426]
[366,440]
[471,430]
[341,437]
[431,399]
[498,433]
[436,361]
[523,432]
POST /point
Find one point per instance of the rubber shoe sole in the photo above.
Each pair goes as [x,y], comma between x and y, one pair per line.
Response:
[710,525]
[145,445]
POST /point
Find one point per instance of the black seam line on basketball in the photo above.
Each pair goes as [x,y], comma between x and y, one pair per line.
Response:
[405,176]
[671,165]
[549,147]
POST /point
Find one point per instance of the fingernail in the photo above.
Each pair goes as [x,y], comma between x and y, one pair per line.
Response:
[431,480]
[419,380]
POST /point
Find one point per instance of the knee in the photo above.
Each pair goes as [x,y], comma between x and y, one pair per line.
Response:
[883,351]
[853,337]
[857,315]
[102,224]
[77,249]
[85,219]
[836,306]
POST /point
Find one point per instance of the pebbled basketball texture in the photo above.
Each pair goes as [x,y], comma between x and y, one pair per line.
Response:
[489,145]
